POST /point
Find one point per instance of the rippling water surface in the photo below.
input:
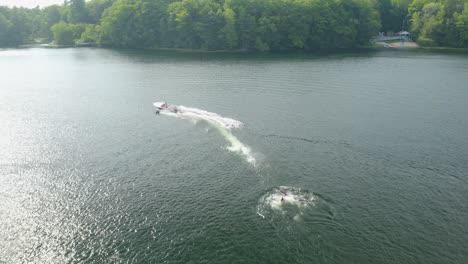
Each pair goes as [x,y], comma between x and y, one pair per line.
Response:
[349,158]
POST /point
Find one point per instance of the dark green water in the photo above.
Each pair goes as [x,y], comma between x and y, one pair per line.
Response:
[372,148]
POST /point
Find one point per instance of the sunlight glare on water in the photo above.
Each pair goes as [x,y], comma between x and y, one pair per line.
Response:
[274,158]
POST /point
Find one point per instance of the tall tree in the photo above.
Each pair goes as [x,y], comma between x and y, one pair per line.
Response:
[5,29]
[78,12]
[229,28]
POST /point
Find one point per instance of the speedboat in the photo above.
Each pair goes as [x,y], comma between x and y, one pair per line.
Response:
[164,106]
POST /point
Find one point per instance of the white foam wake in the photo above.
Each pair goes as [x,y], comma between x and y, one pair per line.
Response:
[199,114]
[285,200]
[222,124]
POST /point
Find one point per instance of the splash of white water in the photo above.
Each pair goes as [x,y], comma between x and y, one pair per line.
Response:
[285,200]
[222,124]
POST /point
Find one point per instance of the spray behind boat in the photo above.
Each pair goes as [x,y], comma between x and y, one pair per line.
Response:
[223,124]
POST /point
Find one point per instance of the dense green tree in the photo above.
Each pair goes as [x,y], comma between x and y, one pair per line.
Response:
[229,28]
[96,8]
[5,28]
[67,34]
[51,16]
[198,23]
[461,22]
[439,23]
[16,26]
[117,25]
[91,33]
[246,27]
[367,20]
[391,15]
[134,23]
[78,12]
[63,34]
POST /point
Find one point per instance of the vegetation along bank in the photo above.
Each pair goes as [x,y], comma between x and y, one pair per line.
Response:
[235,24]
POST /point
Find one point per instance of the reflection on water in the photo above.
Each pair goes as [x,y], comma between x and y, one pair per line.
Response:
[373,144]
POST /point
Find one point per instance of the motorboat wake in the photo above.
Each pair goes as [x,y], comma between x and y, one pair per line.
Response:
[223,124]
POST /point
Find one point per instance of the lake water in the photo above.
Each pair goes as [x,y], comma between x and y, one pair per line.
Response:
[367,150]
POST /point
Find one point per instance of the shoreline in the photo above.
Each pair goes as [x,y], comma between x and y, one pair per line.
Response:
[375,47]
[184,50]
[444,49]
[397,45]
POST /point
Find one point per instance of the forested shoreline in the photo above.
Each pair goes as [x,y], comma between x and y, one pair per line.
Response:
[235,24]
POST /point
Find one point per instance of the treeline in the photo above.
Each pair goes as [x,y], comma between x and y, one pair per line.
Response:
[235,24]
